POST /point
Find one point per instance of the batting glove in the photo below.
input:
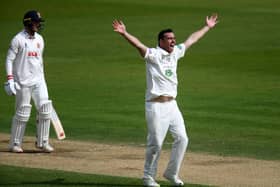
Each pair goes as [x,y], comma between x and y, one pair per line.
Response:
[10,87]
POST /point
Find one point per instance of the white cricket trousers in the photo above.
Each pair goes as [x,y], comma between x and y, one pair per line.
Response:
[37,92]
[161,118]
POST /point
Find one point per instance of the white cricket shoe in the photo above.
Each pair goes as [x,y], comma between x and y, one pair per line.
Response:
[47,148]
[175,181]
[16,149]
[150,182]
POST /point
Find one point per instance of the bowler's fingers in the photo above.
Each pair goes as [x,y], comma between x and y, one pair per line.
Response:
[213,18]
[120,21]
[214,15]
[117,24]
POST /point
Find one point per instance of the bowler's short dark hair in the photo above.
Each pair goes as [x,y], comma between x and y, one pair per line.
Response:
[161,33]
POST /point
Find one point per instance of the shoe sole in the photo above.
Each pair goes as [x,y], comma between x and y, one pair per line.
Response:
[172,182]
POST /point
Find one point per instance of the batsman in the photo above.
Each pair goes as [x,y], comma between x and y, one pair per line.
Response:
[26,80]
[162,112]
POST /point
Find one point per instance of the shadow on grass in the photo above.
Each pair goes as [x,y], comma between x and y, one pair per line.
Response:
[62,182]
[20,176]
[25,151]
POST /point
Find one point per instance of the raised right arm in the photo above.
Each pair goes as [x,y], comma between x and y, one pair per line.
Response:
[120,28]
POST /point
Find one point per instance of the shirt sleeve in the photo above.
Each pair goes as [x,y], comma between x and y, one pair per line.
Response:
[42,47]
[180,50]
[12,52]
[42,43]
[150,55]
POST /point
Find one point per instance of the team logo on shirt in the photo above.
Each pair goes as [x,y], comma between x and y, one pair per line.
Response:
[32,54]
[168,72]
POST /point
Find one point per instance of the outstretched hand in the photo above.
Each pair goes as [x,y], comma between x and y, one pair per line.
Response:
[212,20]
[119,26]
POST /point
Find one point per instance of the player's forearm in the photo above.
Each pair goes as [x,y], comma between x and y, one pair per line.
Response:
[9,64]
[9,70]
[136,43]
[194,37]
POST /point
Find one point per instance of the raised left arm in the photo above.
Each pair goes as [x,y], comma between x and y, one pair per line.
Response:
[194,37]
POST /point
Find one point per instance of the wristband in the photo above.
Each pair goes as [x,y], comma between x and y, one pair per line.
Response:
[9,77]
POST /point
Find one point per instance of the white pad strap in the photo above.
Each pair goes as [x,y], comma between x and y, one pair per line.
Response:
[45,110]
[43,126]
[23,113]
[19,123]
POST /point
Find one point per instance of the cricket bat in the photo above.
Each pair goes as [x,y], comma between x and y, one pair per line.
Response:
[58,128]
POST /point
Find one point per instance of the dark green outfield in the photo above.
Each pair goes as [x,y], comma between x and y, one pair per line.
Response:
[17,176]
[229,82]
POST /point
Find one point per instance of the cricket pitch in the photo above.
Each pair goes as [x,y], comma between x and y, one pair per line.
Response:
[128,161]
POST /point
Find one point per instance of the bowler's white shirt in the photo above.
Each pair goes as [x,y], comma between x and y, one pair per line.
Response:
[161,71]
[24,59]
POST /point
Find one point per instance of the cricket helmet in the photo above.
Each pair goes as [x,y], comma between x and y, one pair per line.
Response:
[32,16]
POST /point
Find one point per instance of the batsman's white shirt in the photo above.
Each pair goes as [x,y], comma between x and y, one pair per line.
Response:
[161,71]
[24,59]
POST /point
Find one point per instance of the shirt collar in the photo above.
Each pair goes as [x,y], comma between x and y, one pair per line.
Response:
[28,36]
[162,51]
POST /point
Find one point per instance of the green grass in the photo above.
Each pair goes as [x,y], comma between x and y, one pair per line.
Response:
[229,82]
[18,176]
